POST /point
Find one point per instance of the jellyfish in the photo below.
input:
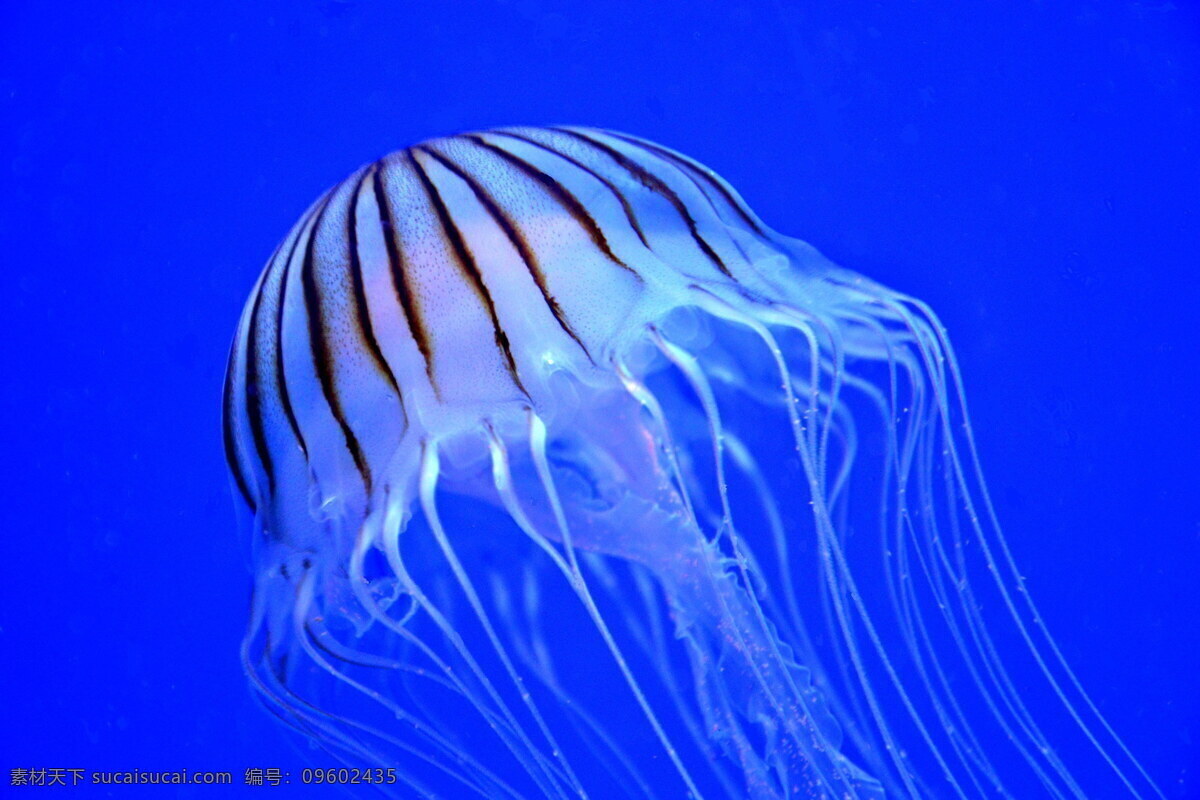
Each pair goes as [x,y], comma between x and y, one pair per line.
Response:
[566,476]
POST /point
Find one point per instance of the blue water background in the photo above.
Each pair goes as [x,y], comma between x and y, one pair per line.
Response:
[1030,169]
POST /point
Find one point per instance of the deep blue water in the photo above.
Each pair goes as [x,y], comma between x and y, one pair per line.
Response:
[1029,169]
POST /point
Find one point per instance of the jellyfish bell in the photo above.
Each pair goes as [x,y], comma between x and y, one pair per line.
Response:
[571,478]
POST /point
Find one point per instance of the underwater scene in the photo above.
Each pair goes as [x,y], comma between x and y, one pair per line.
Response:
[508,399]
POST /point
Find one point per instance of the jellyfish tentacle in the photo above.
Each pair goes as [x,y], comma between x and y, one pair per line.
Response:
[428,485]
[310,720]
[956,567]
[304,600]
[586,725]
[656,645]
[804,445]
[901,465]
[290,707]
[523,749]
[653,644]
[687,364]
[977,471]
[897,578]
[901,460]
[294,712]
[503,482]
[799,633]
[570,569]
[740,621]
[838,574]
[537,446]
[647,399]
[372,607]
[509,730]
[935,351]
[742,458]
[452,680]
[808,326]
[930,365]
[901,592]
[926,366]
[814,359]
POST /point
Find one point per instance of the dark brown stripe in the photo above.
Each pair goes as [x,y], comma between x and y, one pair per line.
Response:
[688,172]
[253,376]
[518,241]
[626,206]
[692,169]
[559,192]
[285,400]
[227,414]
[657,185]
[412,315]
[361,312]
[253,380]
[466,263]
[321,355]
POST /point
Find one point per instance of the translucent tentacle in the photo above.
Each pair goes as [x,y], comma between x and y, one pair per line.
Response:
[570,568]
[518,740]
[428,486]
[936,352]
[772,674]
[838,574]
